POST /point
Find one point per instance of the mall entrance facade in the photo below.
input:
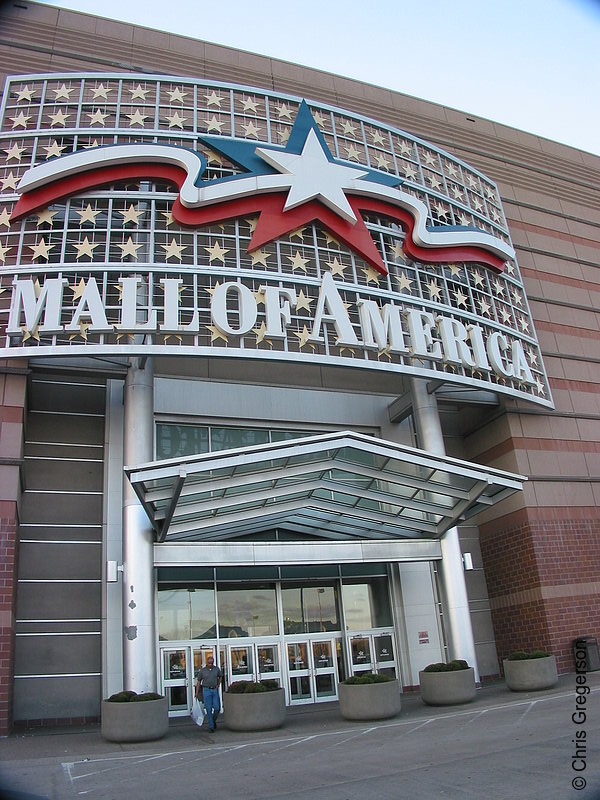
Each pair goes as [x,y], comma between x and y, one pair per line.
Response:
[305,628]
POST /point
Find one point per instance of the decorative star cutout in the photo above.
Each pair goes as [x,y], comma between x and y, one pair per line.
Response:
[59,118]
[297,234]
[27,334]
[97,117]
[435,291]
[175,120]
[382,161]
[250,104]
[54,149]
[505,314]
[460,297]
[498,287]
[216,253]
[173,249]
[251,129]
[451,169]
[409,171]
[434,181]
[213,99]
[137,118]
[484,307]
[260,332]
[62,92]
[14,151]
[283,111]
[216,333]
[336,268]
[101,91]
[455,270]
[10,182]
[214,125]
[303,336]
[298,262]
[83,329]
[87,215]
[129,249]
[176,95]
[523,324]
[352,152]
[41,249]
[377,137]
[5,217]
[168,215]
[85,248]
[304,302]
[131,214]
[319,119]
[21,120]
[24,94]
[430,159]
[45,216]
[139,93]
[371,275]
[477,277]
[3,251]
[348,128]
[540,387]
[260,257]
[79,288]
[404,283]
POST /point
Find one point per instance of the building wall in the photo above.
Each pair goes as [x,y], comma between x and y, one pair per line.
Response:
[58,635]
[538,548]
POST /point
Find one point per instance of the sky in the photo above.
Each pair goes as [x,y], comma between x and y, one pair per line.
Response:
[530,64]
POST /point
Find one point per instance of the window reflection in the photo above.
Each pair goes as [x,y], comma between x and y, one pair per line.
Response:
[251,611]
[310,609]
[366,603]
[186,613]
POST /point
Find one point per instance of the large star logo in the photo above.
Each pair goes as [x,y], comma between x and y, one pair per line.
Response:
[290,187]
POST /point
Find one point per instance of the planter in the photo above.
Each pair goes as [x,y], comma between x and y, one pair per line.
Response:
[531,674]
[255,711]
[447,688]
[369,700]
[135,722]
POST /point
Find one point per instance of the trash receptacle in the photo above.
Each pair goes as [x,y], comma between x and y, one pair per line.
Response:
[586,648]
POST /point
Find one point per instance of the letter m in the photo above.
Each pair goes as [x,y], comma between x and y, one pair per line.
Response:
[35,302]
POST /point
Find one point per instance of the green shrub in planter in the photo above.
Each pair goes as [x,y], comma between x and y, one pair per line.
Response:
[366,678]
[252,687]
[133,697]
[452,666]
[523,655]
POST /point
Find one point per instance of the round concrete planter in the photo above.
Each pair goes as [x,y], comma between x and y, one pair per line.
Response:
[369,700]
[530,674]
[447,688]
[260,711]
[135,722]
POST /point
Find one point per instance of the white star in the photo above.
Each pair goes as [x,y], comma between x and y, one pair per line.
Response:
[175,120]
[10,182]
[313,176]
[139,92]
[176,95]
[97,117]
[54,149]
[62,92]
[20,120]
[250,105]
[25,94]
[59,118]
[250,129]
[137,118]
[101,91]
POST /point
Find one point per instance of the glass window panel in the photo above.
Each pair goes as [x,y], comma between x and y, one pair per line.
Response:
[186,614]
[285,436]
[173,664]
[297,656]
[241,661]
[176,441]
[229,438]
[366,604]
[325,685]
[268,659]
[251,611]
[322,655]
[310,609]
[384,650]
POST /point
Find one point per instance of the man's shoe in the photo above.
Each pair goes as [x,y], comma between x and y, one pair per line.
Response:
[216,726]
[211,730]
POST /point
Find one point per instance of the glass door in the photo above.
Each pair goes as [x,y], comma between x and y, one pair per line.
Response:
[372,652]
[268,662]
[177,680]
[361,654]
[324,671]
[299,672]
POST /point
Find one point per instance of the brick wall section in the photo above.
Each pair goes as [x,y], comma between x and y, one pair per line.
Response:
[12,402]
[543,581]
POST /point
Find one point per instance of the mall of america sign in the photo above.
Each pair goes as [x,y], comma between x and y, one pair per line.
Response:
[171,216]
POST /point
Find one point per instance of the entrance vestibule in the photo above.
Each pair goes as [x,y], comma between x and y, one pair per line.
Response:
[305,635]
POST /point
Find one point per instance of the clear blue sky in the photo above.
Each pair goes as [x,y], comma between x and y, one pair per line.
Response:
[531,64]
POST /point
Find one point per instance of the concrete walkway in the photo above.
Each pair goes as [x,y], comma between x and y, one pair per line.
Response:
[502,746]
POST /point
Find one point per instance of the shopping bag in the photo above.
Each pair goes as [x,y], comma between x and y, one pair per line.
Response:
[198,711]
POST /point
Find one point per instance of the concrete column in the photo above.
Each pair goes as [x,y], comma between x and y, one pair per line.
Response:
[139,643]
[455,603]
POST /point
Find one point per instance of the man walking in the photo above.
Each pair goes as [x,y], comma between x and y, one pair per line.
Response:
[208,679]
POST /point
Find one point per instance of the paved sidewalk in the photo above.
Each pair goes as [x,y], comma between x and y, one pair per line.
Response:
[502,746]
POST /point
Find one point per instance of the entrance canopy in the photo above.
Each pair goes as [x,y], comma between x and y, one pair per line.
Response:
[337,486]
